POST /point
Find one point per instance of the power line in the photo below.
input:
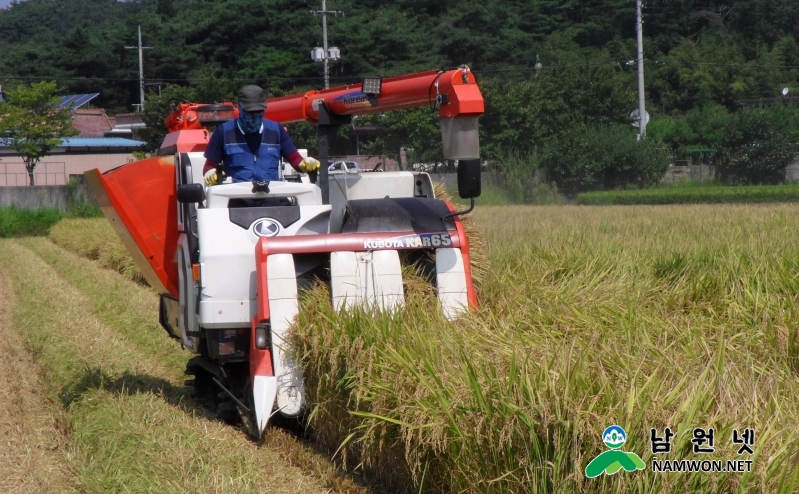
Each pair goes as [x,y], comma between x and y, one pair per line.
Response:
[355,78]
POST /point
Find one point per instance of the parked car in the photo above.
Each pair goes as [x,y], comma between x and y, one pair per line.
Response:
[344,166]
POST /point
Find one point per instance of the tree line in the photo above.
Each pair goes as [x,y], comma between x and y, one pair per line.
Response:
[696,51]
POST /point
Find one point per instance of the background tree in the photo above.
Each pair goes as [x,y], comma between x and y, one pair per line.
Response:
[602,157]
[701,58]
[522,115]
[696,52]
[210,90]
[32,124]
[755,148]
[415,129]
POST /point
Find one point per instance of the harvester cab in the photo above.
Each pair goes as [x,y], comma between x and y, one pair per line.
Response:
[230,260]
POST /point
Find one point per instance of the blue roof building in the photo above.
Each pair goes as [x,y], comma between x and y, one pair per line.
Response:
[73,157]
[84,145]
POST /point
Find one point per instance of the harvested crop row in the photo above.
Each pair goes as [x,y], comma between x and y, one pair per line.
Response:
[133,429]
[36,454]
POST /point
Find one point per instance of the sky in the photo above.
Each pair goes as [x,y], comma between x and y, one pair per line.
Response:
[5,3]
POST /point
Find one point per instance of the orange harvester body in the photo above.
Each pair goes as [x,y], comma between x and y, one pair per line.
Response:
[139,199]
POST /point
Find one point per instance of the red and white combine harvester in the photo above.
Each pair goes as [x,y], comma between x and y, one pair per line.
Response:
[229,274]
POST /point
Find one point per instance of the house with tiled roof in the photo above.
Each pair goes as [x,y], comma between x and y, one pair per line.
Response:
[91,122]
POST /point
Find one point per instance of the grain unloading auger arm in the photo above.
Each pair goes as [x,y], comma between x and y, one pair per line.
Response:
[195,244]
[455,92]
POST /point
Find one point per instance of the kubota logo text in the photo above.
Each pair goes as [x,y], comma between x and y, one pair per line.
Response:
[410,242]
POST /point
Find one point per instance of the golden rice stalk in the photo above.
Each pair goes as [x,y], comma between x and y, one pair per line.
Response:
[93,238]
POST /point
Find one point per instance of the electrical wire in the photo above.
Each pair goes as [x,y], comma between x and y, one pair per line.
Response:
[430,90]
[430,102]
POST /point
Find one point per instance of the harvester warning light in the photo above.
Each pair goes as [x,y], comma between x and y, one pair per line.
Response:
[372,85]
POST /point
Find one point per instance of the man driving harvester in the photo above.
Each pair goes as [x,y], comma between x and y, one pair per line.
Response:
[250,147]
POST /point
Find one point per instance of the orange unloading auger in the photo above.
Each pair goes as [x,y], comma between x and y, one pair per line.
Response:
[139,198]
[454,91]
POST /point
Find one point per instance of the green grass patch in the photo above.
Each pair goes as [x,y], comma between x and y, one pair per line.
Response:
[18,222]
[694,194]
[15,222]
[84,210]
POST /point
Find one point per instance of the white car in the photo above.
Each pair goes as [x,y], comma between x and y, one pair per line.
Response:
[344,166]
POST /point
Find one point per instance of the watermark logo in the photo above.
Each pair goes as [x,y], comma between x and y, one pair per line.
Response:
[614,460]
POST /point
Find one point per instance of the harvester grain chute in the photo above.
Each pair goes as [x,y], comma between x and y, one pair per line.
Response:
[229,274]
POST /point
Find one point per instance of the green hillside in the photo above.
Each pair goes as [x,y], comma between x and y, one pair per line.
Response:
[697,52]
[571,120]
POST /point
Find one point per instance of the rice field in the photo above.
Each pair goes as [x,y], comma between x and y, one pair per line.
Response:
[642,317]
[645,317]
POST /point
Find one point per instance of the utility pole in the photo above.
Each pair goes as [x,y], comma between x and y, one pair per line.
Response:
[324,43]
[641,110]
[141,68]
[327,56]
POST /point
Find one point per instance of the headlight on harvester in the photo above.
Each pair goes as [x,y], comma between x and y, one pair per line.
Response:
[372,85]
[261,336]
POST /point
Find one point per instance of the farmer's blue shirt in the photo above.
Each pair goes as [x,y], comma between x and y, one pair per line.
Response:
[249,157]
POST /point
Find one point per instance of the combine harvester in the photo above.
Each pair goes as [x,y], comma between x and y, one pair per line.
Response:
[229,274]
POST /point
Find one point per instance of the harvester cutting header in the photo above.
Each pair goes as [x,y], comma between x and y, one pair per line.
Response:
[229,259]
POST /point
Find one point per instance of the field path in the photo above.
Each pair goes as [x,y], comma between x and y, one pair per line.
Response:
[93,396]
[34,449]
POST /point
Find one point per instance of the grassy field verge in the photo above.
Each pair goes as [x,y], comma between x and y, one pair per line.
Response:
[693,195]
[16,222]
[118,379]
